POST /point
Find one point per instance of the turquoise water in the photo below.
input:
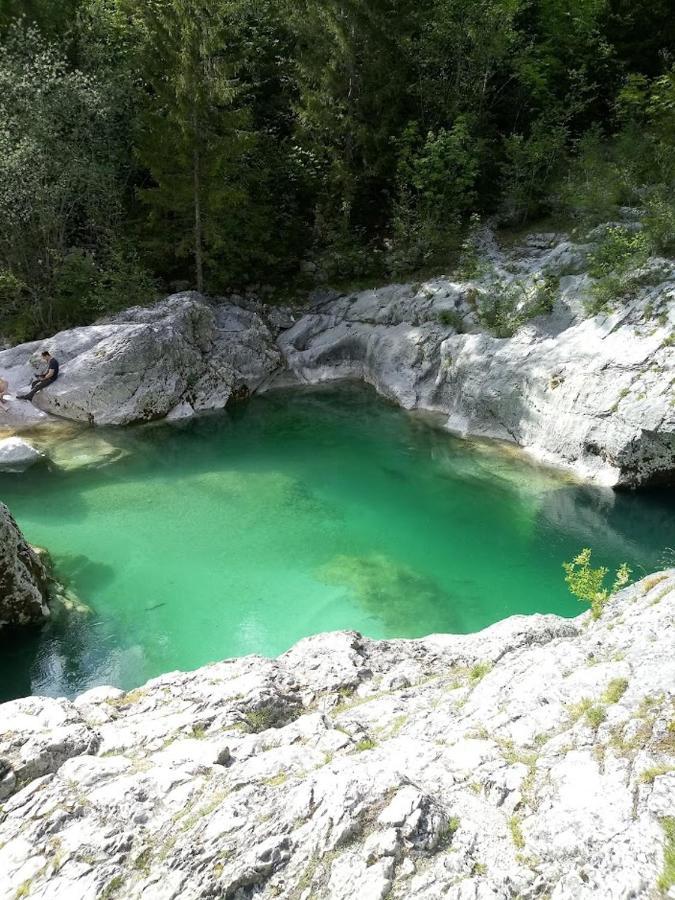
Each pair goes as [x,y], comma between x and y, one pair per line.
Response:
[300,512]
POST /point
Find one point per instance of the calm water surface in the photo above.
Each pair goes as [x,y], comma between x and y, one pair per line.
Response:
[301,512]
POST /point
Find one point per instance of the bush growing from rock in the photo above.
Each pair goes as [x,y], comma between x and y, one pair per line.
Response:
[588,584]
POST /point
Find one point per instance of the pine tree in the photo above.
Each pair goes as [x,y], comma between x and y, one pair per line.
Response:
[193,134]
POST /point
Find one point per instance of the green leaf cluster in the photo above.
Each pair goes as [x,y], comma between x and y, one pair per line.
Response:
[588,584]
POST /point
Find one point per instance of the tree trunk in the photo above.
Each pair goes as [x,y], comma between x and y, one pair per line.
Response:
[196,187]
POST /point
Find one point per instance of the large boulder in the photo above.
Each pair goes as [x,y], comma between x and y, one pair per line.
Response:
[17,455]
[24,579]
[592,394]
[184,352]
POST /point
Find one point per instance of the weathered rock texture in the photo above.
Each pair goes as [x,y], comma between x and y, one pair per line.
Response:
[596,395]
[181,356]
[24,580]
[17,455]
[534,759]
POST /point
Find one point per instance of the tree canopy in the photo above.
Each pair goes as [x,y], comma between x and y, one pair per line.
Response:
[153,144]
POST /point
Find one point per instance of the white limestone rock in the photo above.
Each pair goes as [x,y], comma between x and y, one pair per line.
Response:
[184,352]
[594,395]
[453,766]
[17,455]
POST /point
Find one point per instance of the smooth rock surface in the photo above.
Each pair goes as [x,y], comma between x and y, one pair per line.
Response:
[534,759]
[24,578]
[594,395]
[145,362]
[17,455]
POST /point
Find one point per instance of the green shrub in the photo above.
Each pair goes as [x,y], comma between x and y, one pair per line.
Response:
[14,307]
[588,584]
[648,776]
[529,163]
[510,304]
[592,187]
[613,265]
[516,832]
[452,319]
[257,720]
[448,832]
[595,716]
[479,671]
[436,179]
[659,218]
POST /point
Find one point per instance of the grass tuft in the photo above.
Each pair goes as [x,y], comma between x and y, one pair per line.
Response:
[516,832]
[667,877]
[648,776]
[615,690]
[479,671]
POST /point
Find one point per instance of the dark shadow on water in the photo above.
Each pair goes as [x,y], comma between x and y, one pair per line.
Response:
[52,653]
[72,507]
[60,658]
[83,573]
[19,649]
[637,528]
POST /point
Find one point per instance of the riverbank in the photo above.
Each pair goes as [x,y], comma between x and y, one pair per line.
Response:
[589,393]
[534,758]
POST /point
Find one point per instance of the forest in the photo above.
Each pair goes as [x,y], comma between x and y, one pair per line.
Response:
[148,146]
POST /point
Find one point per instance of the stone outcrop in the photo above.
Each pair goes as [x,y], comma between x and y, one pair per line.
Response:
[17,455]
[180,356]
[24,579]
[534,759]
[595,395]
[592,394]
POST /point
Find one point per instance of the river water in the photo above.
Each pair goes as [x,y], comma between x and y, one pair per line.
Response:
[299,512]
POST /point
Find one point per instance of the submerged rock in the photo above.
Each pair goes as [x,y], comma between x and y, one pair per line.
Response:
[24,577]
[86,450]
[534,758]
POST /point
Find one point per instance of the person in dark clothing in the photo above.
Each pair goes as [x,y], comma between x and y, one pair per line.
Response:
[49,376]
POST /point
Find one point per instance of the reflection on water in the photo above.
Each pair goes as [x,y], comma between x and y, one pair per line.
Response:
[301,512]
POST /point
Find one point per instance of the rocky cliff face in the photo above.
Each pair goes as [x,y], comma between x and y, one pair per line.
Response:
[594,395]
[534,759]
[23,577]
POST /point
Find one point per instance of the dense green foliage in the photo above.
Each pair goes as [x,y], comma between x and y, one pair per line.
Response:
[151,144]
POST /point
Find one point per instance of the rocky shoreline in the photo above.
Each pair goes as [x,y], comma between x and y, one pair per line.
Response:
[534,759]
[594,395]
[24,577]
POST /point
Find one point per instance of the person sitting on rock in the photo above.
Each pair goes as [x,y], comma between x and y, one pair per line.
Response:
[3,390]
[49,376]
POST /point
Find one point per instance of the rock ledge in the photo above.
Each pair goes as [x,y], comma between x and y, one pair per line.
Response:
[534,759]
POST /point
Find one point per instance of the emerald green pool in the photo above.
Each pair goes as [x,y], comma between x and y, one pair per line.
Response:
[302,511]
